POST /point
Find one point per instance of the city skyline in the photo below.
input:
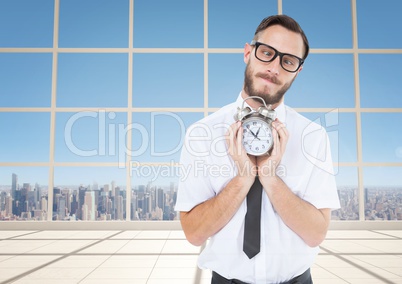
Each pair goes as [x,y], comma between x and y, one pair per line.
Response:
[345,176]
[95,202]
[102,202]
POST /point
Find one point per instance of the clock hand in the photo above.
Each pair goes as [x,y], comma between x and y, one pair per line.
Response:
[256,135]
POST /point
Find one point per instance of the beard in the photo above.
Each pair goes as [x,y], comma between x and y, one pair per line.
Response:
[270,99]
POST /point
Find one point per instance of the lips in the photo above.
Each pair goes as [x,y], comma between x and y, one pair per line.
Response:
[269,78]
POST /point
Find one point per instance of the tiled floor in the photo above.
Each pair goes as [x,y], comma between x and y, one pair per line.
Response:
[157,257]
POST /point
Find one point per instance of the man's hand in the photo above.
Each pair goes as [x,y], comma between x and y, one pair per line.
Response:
[268,164]
[245,164]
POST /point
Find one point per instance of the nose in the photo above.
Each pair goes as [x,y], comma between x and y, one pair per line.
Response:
[275,65]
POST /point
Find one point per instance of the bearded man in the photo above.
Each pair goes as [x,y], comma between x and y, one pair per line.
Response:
[295,180]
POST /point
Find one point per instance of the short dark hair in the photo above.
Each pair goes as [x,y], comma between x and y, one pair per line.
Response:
[286,22]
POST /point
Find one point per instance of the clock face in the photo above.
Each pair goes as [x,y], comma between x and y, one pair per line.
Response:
[257,136]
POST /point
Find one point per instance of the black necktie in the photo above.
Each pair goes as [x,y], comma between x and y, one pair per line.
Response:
[252,225]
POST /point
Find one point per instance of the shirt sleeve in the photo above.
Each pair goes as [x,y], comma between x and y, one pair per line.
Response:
[194,184]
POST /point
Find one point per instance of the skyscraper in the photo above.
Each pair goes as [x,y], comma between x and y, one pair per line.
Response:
[90,205]
[14,182]
[14,194]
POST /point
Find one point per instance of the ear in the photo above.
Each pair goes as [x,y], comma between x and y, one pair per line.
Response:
[298,71]
[247,52]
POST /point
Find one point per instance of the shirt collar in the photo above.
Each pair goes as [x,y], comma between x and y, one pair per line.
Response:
[280,109]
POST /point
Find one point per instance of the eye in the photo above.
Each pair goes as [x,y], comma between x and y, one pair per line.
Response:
[265,52]
[268,53]
[290,60]
[287,62]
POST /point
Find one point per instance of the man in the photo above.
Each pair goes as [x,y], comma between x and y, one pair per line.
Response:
[299,188]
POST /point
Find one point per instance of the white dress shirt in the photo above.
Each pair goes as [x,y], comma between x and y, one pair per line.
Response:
[306,168]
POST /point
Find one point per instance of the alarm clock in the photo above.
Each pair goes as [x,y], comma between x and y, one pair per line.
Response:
[257,134]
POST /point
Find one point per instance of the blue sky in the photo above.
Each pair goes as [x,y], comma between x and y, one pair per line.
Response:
[177,79]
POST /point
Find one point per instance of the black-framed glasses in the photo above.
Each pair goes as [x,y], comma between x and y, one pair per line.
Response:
[266,53]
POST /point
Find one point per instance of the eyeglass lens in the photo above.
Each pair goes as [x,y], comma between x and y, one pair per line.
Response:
[267,54]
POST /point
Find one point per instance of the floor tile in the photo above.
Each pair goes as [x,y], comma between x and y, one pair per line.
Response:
[10,272]
[180,247]
[373,281]
[27,280]
[174,273]
[334,261]
[120,273]
[150,235]
[384,246]
[394,233]
[23,246]
[177,235]
[167,261]
[179,281]
[5,257]
[82,261]
[346,246]
[105,247]
[329,281]
[388,261]
[60,273]
[357,273]
[318,272]
[126,235]
[28,261]
[164,257]
[49,235]
[355,234]
[63,246]
[13,234]
[143,247]
[114,281]
[394,270]
[126,261]
[93,234]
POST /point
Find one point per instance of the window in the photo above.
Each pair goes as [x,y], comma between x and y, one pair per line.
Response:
[89,136]
[168,24]
[96,96]
[225,78]
[326,24]
[92,80]
[382,193]
[24,24]
[378,33]
[158,136]
[380,142]
[26,79]
[168,80]
[25,136]
[326,81]
[384,91]
[89,194]
[229,26]
[93,23]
